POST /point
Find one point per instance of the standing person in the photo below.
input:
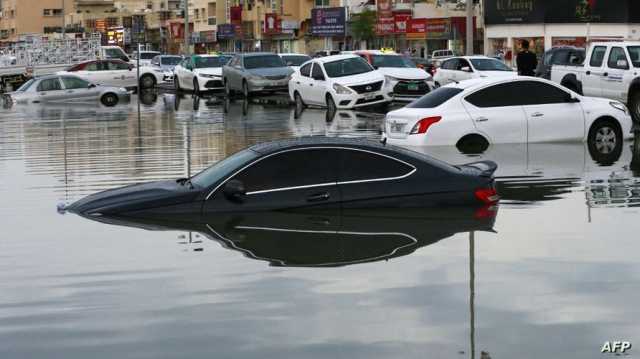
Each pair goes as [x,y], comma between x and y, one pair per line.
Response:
[526,60]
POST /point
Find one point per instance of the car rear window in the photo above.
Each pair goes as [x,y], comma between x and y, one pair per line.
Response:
[435,98]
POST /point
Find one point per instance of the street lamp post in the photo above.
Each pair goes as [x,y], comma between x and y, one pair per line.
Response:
[186,27]
[469,27]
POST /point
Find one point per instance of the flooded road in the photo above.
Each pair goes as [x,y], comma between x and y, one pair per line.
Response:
[554,273]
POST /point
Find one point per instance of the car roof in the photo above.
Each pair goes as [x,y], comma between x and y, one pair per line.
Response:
[271,147]
[481,82]
[293,54]
[616,43]
[253,54]
[472,57]
[332,58]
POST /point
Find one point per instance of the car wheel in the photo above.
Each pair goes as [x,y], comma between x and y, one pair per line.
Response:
[605,138]
[245,89]
[331,105]
[634,106]
[176,83]
[196,87]
[147,81]
[109,99]
[299,102]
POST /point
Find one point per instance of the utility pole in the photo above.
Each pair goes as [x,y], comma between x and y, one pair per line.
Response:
[186,28]
[64,21]
[470,29]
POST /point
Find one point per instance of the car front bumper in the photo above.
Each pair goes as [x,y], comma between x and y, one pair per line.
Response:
[210,83]
[406,90]
[347,101]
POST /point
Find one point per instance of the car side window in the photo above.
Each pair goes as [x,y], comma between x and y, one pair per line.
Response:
[306,70]
[362,166]
[597,56]
[450,64]
[117,66]
[560,57]
[462,63]
[500,95]
[74,83]
[92,67]
[539,93]
[317,73]
[290,169]
[49,85]
[616,58]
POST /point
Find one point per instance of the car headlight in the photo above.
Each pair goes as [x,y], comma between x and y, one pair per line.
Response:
[619,106]
[255,77]
[341,90]
[208,76]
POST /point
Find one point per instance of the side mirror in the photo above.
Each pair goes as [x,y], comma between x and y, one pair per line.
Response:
[91,86]
[466,69]
[571,99]
[234,190]
[376,67]
[623,64]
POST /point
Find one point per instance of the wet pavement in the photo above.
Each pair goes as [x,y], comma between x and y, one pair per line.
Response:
[554,273]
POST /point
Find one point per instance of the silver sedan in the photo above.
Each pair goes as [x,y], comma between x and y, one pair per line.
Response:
[65,88]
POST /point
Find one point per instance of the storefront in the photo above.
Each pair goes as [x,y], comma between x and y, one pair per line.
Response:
[549,23]
[226,37]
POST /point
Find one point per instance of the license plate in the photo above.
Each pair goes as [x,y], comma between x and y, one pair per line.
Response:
[370,97]
[413,87]
[397,127]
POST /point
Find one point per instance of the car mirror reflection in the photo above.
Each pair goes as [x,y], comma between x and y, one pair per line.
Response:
[234,190]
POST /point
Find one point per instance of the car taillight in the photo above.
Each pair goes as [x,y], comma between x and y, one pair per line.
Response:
[423,125]
[487,195]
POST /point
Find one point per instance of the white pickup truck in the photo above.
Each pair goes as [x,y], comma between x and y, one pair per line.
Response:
[610,70]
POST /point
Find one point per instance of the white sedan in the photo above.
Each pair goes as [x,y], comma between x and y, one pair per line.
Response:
[476,113]
[462,68]
[115,73]
[200,73]
[337,82]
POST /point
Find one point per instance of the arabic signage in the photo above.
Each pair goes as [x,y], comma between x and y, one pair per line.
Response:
[226,31]
[416,28]
[385,21]
[328,21]
[561,11]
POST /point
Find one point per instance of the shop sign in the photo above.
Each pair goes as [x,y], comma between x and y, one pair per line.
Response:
[416,28]
[288,26]
[272,24]
[176,30]
[385,26]
[208,36]
[329,21]
[226,31]
[400,23]
[438,28]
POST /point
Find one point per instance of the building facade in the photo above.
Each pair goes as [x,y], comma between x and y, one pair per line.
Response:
[19,18]
[549,23]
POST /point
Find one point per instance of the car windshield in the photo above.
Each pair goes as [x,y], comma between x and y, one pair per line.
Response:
[295,60]
[347,67]
[26,86]
[391,61]
[205,62]
[114,53]
[223,169]
[148,55]
[634,53]
[435,98]
[258,62]
[489,65]
[170,60]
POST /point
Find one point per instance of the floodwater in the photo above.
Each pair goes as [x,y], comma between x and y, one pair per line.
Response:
[555,276]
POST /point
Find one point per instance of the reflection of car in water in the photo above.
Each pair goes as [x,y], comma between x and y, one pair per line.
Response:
[339,123]
[77,112]
[308,239]
[542,172]
[310,172]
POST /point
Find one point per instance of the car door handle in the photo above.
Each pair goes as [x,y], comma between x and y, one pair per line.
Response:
[482,119]
[311,85]
[317,197]
[298,82]
[69,91]
[588,73]
[537,114]
[605,74]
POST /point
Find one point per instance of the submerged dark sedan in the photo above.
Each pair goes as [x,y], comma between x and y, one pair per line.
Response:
[310,172]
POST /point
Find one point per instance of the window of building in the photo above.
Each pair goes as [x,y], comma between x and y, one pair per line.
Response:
[46,12]
[322,3]
[57,12]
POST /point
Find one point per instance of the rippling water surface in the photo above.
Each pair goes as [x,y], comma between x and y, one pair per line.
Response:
[556,276]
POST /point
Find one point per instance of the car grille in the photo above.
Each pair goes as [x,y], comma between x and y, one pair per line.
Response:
[362,100]
[278,77]
[374,86]
[402,88]
[213,84]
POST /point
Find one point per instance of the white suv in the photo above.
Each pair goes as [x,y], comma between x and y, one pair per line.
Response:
[339,81]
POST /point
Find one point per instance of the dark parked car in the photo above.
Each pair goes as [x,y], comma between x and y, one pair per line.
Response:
[564,55]
[311,172]
[348,237]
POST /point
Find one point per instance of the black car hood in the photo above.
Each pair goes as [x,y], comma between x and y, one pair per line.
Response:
[134,198]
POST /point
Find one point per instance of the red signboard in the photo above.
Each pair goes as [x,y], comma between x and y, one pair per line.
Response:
[416,28]
[235,14]
[385,24]
[176,30]
[400,22]
[272,24]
